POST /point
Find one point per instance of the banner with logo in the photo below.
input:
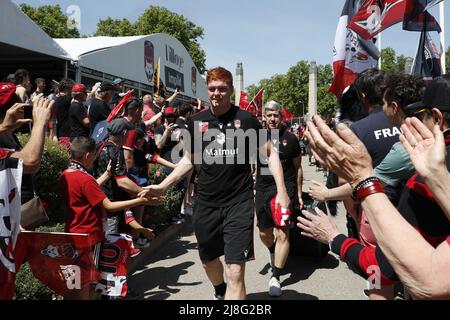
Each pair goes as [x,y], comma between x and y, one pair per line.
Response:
[61,261]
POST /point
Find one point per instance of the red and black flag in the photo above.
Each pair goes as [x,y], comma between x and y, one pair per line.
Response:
[374,16]
[352,54]
[417,17]
[255,106]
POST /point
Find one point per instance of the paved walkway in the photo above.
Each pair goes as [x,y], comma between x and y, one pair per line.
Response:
[175,271]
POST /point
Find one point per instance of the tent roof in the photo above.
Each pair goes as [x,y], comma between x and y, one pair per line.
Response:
[22,32]
[78,47]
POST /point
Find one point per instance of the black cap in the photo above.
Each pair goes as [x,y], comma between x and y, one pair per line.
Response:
[119,127]
[106,86]
[437,95]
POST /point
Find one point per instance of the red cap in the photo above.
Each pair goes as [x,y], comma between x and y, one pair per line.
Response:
[169,111]
[78,88]
[7,93]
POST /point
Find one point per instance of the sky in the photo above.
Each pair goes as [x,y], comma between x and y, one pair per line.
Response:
[267,36]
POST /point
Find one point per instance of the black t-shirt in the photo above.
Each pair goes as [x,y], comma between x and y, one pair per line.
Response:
[62,106]
[225,176]
[77,113]
[112,152]
[377,133]
[171,142]
[98,111]
[181,123]
[289,149]
[9,141]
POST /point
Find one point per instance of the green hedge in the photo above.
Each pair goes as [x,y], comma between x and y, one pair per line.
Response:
[54,161]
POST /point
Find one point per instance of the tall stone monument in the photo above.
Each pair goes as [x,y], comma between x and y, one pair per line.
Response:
[239,82]
[312,103]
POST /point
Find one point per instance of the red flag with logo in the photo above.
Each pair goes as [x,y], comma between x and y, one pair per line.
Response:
[244,100]
[417,18]
[61,261]
[374,16]
[351,54]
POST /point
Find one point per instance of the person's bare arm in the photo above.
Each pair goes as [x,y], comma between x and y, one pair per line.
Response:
[154,119]
[423,269]
[183,167]
[161,140]
[31,154]
[299,170]
[129,186]
[172,97]
[165,163]
[319,191]
[117,206]
[129,158]
[276,169]
[105,176]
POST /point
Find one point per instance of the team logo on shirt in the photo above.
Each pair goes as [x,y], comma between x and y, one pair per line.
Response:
[284,142]
[203,126]
[237,124]
[221,138]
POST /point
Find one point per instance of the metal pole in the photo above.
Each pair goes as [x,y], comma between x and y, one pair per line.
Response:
[442,14]
[379,48]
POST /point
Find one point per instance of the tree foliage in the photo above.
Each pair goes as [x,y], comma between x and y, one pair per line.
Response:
[447,60]
[52,20]
[391,62]
[292,89]
[159,20]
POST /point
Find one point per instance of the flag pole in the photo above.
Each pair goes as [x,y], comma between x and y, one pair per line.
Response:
[379,48]
[444,49]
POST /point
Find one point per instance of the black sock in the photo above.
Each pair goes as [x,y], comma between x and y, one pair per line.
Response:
[221,289]
[272,248]
[276,273]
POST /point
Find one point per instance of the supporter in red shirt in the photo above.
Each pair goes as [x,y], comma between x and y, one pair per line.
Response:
[85,202]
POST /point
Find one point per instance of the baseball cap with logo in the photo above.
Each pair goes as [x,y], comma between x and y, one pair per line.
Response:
[437,95]
[119,127]
[7,94]
[78,88]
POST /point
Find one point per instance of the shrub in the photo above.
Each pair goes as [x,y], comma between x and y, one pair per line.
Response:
[54,161]
[162,214]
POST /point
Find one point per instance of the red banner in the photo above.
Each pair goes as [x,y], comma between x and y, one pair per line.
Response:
[287,116]
[61,261]
[244,101]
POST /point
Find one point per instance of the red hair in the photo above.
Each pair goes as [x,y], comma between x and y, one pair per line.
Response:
[220,73]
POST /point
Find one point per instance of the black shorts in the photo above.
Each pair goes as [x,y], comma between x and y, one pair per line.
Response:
[225,231]
[263,214]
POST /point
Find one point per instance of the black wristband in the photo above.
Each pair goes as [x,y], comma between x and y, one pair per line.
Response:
[337,243]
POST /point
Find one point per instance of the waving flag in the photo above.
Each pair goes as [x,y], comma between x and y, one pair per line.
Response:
[352,54]
[287,116]
[159,88]
[428,59]
[244,101]
[117,112]
[255,106]
[61,261]
[11,181]
[417,18]
[376,16]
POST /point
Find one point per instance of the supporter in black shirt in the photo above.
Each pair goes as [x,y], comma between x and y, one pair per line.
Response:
[223,140]
[78,119]
[62,106]
[100,109]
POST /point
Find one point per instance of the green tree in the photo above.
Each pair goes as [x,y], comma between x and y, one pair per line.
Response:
[52,20]
[159,20]
[391,62]
[292,89]
[115,28]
